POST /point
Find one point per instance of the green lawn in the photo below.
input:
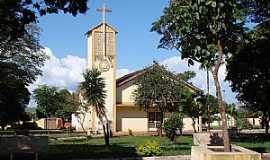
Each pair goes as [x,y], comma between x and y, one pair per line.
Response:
[125,147]
[120,147]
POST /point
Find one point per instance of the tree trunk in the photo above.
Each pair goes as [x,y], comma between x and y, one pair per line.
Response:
[207,102]
[193,124]
[267,127]
[219,62]
[81,120]
[267,123]
[106,131]
[82,127]
[200,123]
[161,123]
[226,139]
[105,135]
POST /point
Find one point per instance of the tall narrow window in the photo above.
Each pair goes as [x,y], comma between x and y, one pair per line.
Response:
[154,119]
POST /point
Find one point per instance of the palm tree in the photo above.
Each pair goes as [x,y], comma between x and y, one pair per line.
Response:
[93,91]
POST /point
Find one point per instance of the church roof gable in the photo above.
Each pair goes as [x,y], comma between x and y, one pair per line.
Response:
[131,76]
[97,26]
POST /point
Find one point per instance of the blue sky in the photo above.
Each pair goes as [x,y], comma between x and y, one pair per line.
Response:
[64,39]
[64,34]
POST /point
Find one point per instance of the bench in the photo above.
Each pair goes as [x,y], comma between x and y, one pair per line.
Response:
[21,144]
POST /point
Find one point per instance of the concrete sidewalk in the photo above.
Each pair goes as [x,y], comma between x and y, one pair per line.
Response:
[182,157]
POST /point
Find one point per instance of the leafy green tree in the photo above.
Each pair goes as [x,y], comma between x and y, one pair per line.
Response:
[26,52]
[14,96]
[187,75]
[204,31]
[249,74]
[171,125]
[52,102]
[15,15]
[47,101]
[212,109]
[93,91]
[69,103]
[20,63]
[193,105]
[31,112]
[159,89]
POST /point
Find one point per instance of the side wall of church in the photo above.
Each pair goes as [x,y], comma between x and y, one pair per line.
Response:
[124,93]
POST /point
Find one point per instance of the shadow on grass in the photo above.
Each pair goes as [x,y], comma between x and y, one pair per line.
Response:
[175,150]
[251,139]
[258,149]
[181,143]
[77,151]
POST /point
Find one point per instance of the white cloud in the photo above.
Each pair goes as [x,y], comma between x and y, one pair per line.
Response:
[122,72]
[63,72]
[176,64]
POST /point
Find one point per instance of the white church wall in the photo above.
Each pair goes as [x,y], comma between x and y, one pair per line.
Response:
[109,88]
[131,118]
[125,92]
[90,58]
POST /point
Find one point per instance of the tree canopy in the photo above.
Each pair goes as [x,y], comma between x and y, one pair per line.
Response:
[187,75]
[26,52]
[54,102]
[249,71]
[158,88]
[204,31]
[20,62]
[14,96]
[15,15]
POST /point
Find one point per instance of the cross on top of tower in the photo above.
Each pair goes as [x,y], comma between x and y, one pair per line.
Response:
[104,10]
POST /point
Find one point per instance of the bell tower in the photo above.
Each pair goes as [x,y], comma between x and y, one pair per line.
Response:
[101,55]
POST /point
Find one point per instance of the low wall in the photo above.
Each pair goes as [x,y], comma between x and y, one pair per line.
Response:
[23,144]
[209,153]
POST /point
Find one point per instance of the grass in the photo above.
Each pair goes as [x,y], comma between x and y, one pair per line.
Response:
[120,147]
[126,147]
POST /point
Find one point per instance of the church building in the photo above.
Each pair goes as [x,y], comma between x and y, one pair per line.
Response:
[120,108]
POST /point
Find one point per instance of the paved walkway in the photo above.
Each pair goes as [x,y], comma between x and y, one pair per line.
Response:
[265,156]
[183,157]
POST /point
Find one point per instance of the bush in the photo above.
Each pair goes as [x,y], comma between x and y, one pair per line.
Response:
[130,133]
[150,148]
[172,124]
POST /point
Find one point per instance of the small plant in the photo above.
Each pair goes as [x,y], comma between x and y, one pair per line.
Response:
[130,133]
[149,148]
[172,124]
